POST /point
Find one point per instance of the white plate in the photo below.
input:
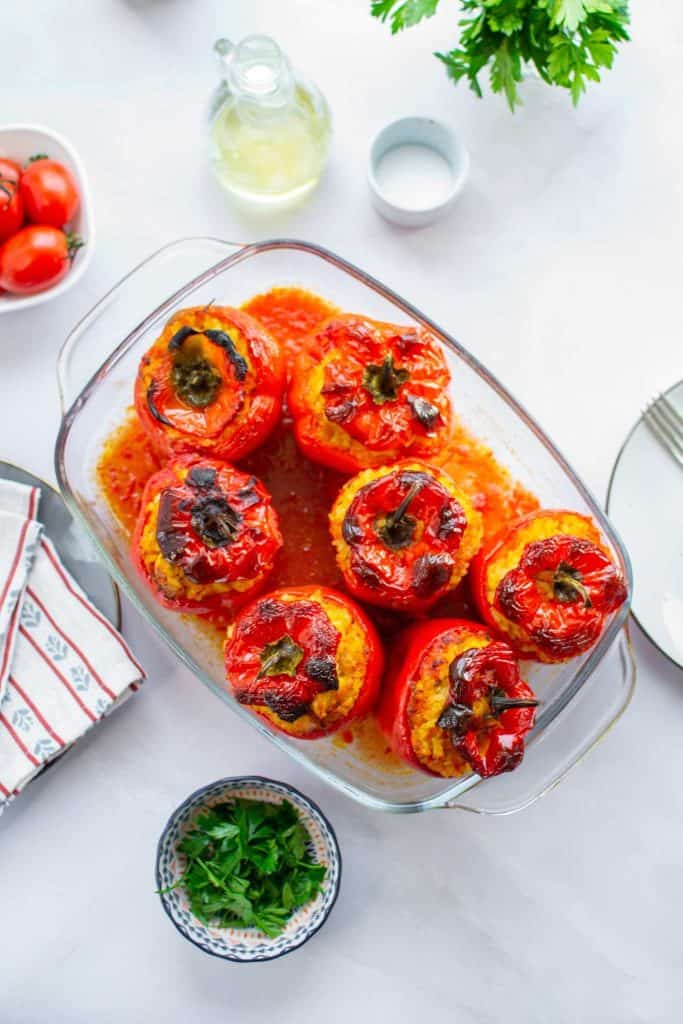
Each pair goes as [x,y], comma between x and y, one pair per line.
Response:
[21,141]
[645,504]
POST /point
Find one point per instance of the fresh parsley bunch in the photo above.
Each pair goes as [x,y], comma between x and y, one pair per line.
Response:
[567,41]
[248,865]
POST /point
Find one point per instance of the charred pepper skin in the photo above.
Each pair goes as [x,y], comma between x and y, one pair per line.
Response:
[212,383]
[547,584]
[365,393]
[206,536]
[490,709]
[283,650]
[404,535]
[484,712]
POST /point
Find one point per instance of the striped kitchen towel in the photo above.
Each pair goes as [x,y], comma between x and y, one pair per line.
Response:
[19,534]
[70,668]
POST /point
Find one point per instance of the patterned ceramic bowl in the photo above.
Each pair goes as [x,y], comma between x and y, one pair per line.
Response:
[246,945]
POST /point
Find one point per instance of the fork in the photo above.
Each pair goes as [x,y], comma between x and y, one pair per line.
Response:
[666,423]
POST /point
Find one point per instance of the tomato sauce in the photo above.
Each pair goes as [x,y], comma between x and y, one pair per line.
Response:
[303,492]
[289,314]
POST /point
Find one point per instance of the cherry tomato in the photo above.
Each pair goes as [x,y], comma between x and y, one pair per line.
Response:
[36,258]
[10,169]
[11,208]
[49,192]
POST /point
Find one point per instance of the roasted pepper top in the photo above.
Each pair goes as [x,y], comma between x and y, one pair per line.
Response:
[404,535]
[364,393]
[212,382]
[489,709]
[548,584]
[306,659]
[206,532]
[454,702]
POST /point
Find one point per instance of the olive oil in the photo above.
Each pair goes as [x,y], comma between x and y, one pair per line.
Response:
[270,130]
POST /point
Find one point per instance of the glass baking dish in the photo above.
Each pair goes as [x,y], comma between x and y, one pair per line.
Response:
[581,700]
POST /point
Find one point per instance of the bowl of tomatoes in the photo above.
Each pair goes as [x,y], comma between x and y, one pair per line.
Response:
[46,227]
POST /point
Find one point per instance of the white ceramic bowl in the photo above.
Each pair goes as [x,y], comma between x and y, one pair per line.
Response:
[21,141]
[418,131]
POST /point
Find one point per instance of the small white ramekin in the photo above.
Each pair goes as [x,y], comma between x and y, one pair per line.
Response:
[421,131]
[21,141]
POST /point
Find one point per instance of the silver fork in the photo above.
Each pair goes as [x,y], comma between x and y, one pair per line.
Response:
[666,423]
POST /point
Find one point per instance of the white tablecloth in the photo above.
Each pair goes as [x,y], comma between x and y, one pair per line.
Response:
[560,268]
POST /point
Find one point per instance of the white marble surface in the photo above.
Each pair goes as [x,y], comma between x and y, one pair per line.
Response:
[560,268]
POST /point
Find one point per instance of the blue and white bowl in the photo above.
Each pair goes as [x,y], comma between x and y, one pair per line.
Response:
[246,945]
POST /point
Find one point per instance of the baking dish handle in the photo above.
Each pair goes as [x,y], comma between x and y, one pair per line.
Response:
[148,285]
[564,743]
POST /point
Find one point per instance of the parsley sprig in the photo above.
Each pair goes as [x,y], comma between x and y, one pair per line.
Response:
[567,41]
[248,865]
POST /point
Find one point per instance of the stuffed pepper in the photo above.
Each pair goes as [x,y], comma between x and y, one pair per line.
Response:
[306,659]
[206,535]
[211,383]
[453,701]
[365,393]
[547,584]
[404,535]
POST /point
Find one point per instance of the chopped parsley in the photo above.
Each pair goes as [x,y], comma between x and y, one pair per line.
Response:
[248,865]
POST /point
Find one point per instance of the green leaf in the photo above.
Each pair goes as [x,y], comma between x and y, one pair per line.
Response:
[570,14]
[249,865]
[225,830]
[567,41]
[406,14]
[505,73]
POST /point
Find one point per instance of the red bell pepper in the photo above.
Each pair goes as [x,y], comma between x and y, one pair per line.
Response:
[365,393]
[211,383]
[306,659]
[206,536]
[548,584]
[453,700]
[404,535]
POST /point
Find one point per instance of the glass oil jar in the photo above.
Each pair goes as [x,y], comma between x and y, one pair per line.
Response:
[269,129]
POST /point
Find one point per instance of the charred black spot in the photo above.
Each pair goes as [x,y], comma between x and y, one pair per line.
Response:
[247,494]
[364,571]
[201,477]
[351,531]
[286,708]
[225,342]
[159,416]
[423,411]
[171,539]
[215,520]
[431,573]
[180,337]
[456,718]
[323,671]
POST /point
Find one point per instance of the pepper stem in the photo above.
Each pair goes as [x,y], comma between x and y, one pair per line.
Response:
[398,513]
[568,587]
[280,658]
[397,529]
[499,702]
[383,380]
